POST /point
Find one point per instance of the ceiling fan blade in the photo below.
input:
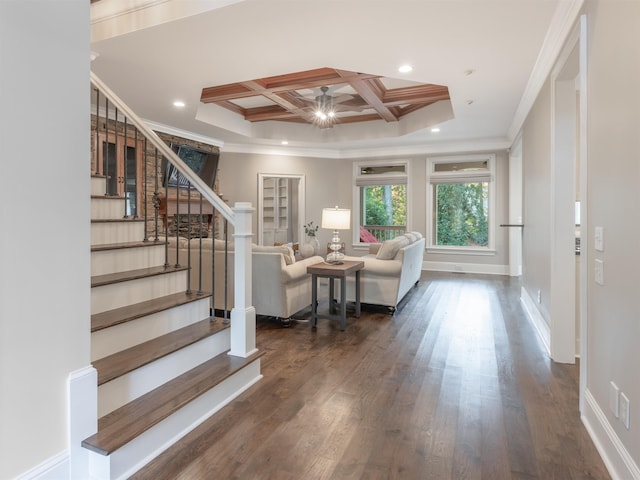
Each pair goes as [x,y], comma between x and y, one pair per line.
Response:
[342,98]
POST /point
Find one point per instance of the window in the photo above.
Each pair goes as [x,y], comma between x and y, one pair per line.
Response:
[121,164]
[460,202]
[380,200]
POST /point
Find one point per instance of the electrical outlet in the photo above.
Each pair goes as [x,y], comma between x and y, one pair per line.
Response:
[624,410]
[614,399]
[599,272]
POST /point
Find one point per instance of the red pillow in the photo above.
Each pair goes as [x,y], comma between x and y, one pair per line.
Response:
[366,236]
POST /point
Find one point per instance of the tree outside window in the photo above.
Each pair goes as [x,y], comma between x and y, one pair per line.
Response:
[380,200]
[461,193]
[462,214]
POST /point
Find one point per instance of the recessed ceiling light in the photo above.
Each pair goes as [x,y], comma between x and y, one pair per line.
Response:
[284,142]
[179,103]
[435,129]
[405,69]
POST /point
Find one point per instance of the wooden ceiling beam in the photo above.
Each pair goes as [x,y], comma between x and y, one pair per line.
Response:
[367,91]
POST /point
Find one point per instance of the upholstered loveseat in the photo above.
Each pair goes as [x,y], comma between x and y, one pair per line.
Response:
[391,269]
[280,283]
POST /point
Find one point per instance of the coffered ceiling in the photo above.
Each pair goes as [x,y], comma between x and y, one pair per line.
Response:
[249,71]
[294,97]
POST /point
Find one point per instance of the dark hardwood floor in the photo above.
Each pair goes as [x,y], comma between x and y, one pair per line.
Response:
[455,385]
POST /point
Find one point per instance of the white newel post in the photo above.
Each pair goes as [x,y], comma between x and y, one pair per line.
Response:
[243,315]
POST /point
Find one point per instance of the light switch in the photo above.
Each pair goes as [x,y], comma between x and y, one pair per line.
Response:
[599,272]
[599,239]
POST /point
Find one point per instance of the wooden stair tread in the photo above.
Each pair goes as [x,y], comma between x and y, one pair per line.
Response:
[124,245]
[108,278]
[129,421]
[125,361]
[127,313]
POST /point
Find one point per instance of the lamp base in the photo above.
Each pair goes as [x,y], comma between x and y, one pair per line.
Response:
[335,258]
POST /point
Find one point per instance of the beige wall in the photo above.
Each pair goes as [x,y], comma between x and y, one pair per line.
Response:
[614,195]
[329,182]
[536,172]
[44,272]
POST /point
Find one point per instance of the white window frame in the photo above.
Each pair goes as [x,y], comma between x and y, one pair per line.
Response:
[385,179]
[434,178]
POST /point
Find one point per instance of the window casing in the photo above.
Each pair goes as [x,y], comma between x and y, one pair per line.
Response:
[461,204]
[380,199]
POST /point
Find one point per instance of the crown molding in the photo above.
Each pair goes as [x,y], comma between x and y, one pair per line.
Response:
[479,145]
[160,127]
[561,25]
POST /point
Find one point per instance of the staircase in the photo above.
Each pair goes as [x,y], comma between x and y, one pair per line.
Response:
[162,362]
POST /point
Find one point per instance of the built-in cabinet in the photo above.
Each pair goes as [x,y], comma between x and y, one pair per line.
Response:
[280,208]
[276,207]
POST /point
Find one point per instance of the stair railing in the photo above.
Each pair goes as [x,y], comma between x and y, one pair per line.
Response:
[114,114]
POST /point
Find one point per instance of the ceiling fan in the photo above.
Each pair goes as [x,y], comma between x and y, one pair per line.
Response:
[324,107]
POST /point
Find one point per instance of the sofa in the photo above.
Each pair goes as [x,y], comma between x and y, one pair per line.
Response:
[391,269]
[280,283]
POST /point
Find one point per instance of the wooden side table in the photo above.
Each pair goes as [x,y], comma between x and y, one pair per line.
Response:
[332,272]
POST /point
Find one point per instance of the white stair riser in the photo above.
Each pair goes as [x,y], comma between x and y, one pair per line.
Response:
[120,337]
[116,232]
[98,185]
[140,451]
[107,208]
[121,259]
[116,295]
[122,390]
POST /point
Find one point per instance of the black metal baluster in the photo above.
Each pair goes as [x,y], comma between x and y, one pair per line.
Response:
[105,153]
[97,155]
[213,277]
[200,251]
[189,238]
[166,226]
[156,194]
[177,218]
[226,272]
[126,166]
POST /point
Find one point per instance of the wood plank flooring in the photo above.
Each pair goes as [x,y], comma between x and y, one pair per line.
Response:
[455,385]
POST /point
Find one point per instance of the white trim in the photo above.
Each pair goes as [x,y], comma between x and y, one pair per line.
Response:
[52,468]
[82,412]
[161,127]
[515,207]
[584,206]
[476,157]
[617,459]
[536,319]
[453,267]
[355,204]
[560,27]
[471,146]
[460,250]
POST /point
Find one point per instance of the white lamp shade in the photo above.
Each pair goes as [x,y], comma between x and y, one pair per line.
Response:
[336,218]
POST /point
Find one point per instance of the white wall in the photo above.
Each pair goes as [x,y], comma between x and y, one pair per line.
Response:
[44,224]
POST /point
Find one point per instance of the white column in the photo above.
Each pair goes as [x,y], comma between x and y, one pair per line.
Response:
[243,314]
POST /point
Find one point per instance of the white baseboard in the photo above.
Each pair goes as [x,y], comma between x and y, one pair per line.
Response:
[55,468]
[465,268]
[615,456]
[536,319]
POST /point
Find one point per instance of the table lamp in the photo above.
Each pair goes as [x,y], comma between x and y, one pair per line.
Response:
[336,219]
